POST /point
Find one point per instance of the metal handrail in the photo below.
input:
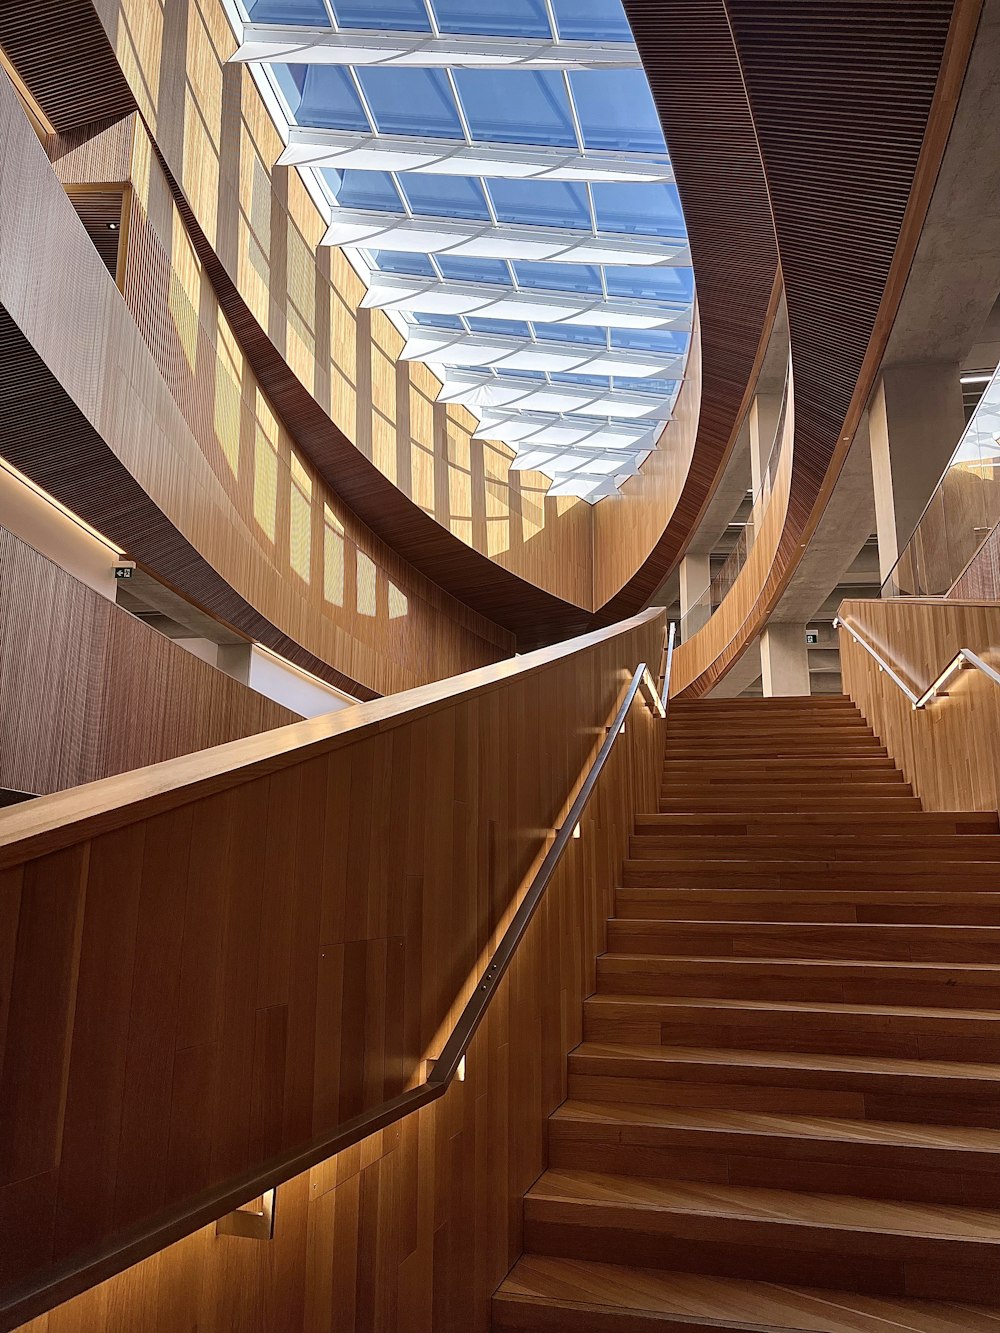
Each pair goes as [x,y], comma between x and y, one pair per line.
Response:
[95,1265]
[964,657]
[671,637]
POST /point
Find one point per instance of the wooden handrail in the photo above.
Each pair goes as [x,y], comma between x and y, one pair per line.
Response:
[88,1267]
[66,817]
[964,657]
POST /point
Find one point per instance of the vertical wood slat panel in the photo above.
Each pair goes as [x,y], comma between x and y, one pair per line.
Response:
[386,943]
[87,690]
[949,751]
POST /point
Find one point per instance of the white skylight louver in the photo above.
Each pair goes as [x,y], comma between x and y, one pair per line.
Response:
[496,172]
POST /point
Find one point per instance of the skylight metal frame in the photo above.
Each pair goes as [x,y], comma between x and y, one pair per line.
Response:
[492,371]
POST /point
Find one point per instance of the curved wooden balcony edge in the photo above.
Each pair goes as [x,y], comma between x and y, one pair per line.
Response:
[826,419]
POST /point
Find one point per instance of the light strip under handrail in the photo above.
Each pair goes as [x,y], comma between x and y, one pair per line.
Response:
[89,1267]
[964,657]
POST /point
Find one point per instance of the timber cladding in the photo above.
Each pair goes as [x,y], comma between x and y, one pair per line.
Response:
[215,959]
[94,421]
[852,104]
[87,690]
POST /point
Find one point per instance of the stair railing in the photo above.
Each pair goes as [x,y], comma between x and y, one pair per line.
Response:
[963,659]
[667,665]
[220,1203]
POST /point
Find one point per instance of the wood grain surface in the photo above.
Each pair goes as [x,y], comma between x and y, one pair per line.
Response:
[87,690]
[949,751]
[259,941]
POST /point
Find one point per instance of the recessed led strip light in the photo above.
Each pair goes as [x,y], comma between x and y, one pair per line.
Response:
[497,174]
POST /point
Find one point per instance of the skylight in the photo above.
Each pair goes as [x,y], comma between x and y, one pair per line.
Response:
[496,172]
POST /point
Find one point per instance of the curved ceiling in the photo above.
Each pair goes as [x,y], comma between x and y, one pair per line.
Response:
[496,171]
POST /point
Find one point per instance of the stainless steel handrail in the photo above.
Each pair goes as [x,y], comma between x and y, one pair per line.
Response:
[85,1269]
[964,657]
[671,639]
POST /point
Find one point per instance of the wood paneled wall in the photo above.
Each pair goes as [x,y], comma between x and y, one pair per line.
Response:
[77,371]
[87,690]
[949,751]
[713,648]
[253,944]
[694,73]
[846,224]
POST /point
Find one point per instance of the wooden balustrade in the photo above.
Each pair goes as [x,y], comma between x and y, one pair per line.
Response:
[950,750]
[213,961]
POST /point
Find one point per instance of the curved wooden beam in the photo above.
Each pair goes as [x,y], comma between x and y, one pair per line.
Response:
[694,73]
[852,106]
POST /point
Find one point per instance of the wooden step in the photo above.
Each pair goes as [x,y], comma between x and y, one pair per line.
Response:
[707,788]
[808,844]
[900,1031]
[846,981]
[545,1294]
[787,805]
[783,764]
[720,872]
[769,749]
[823,821]
[765,939]
[942,1092]
[707,775]
[870,1159]
[889,1247]
[951,906]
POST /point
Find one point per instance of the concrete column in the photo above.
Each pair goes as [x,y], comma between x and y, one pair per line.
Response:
[915,422]
[695,576]
[784,660]
[764,412]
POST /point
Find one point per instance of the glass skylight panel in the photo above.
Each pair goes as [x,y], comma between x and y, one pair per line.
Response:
[662,388]
[393,15]
[649,340]
[516,106]
[599,381]
[638,208]
[430,321]
[444,196]
[460,269]
[543,276]
[499,18]
[310,13]
[506,328]
[401,261]
[591,20]
[364,189]
[602,253]
[541,203]
[411,101]
[571,333]
[329,99]
[616,110]
[290,80]
[650,284]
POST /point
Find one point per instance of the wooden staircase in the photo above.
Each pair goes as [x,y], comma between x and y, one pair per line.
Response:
[785,1113]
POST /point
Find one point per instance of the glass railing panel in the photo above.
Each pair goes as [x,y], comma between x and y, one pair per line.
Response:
[960,514]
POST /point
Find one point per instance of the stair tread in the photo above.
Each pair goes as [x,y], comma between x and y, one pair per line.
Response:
[713,1056]
[795,1007]
[958,1138]
[893,966]
[582,1286]
[784,1207]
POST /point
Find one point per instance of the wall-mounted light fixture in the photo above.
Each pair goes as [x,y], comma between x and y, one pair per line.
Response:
[254,1221]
